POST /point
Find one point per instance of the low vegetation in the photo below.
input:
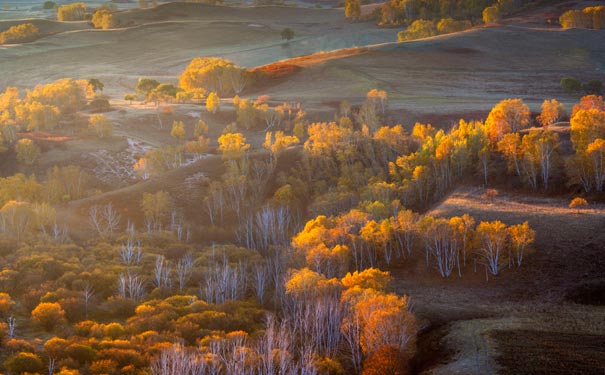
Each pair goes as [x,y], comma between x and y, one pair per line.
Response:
[23,33]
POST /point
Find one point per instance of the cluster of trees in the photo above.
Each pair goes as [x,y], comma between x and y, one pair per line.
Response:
[406,12]
[72,12]
[424,28]
[588,140]
[587,18]
[252,114]
[23,33]
[26,204]
[214,74]
[42,108]
[370,235]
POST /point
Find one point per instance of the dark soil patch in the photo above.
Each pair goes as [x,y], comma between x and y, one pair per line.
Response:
[588,293]
[539,353]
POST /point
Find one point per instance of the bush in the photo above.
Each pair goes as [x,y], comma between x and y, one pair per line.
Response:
[418,29]
[104,19]
[24,362]
[72,12]
[23,33]
[450,25]
[570,84]
[48,315]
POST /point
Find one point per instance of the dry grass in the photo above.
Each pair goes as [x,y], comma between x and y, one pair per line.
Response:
[456,74]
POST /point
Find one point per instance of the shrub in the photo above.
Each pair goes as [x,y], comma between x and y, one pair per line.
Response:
[48,315]
[570,84]
[578,203]
[71,12]
[26,32]
[418,29]
[450,25]
[24,362]
[104,19]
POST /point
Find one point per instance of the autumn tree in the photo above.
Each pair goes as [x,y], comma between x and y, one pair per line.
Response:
[23,33]
[214,74]
[213,103]
[539,151]
[156,207]
[510,115]
[232,145]
[491,15]
[552,111]
[178,130]
[27,151]
[200,129]
[492,237]
[279,142]
[104,19]
[101,125]
[71,12]
[35,116]
[521,237]
[352,9]
[587,135]
[450,25]
[48,315]
[417,30]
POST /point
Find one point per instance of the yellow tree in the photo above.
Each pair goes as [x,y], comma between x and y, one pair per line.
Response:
[552,110]
[48,315]
[587,125]
[596,154]
[279,143]
[233,145]
[27,151]
[201,129]
[213,102]
[352,9]
[492,238]
[491,15]
[510,147]
[521,237]
[156,208]
[510,115]
[178,130]
[100,125]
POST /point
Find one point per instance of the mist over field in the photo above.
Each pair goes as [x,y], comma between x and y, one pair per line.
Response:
[268,188]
